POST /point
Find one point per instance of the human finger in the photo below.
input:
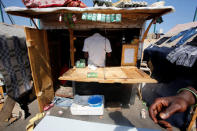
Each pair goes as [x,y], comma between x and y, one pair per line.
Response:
[155,108]
[170,111]
[165,124]
[159,107]
[153,113]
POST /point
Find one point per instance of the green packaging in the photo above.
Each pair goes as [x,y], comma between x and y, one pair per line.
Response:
[77,64]
[102,17]
[118,17]
[112,17]
[80,63]
[84,16]
[108,18]
[98,17]
[89,16]
[92,75]
[94,17]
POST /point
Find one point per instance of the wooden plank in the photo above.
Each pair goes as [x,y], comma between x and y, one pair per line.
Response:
[130,75]
[127,74]
[6,111]
[1,91]
[193,120]
[128,21]
[1,96]
[38,13]
[40,66]
[144,36]
[142,73]
[72,53]
[113,73]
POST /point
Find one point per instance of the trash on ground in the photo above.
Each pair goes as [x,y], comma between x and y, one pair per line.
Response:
[143,114]
[66,92]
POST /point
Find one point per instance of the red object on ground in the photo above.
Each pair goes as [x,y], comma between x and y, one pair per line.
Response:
[48,107]
[53,3]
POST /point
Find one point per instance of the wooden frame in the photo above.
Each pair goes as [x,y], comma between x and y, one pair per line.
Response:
[134,54]
[38,52]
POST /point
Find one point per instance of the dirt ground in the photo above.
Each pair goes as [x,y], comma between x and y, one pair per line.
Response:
[128,116]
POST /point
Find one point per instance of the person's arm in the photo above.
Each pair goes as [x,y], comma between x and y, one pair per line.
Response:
[86,55]
[108,47]
[172,104]
[108,51]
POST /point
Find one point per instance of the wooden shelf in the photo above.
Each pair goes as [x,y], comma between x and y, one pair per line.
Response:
[123,74]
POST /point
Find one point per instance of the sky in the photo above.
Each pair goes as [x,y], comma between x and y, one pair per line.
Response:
[184,13]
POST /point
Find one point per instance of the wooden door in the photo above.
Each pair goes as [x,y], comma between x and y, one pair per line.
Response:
[40,65]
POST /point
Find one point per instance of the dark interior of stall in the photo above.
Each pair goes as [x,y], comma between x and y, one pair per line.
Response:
[59,51]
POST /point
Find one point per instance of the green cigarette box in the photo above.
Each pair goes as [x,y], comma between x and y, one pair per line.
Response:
[92,75]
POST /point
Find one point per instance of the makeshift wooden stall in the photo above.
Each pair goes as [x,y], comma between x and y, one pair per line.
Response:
[37,43]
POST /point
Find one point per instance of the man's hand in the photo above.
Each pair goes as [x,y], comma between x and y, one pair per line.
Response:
[164,107]
[109,54]
[86,55]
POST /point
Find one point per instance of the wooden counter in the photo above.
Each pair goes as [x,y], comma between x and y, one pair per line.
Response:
[123,74]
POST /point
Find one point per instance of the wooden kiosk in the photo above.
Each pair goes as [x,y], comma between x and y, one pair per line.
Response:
[37,42]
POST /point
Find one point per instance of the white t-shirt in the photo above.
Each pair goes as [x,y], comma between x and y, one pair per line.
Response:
[97,46]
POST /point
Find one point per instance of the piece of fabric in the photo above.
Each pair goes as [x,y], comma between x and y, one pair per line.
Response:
[14,66]
[187,35]
[193,42]
[97,46]
[183,55]
[177,36]
[62,102]
[53,3]
[162,40]
[30,126]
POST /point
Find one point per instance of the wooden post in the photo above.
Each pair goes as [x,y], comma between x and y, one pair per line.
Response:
[72,52]
[147,30]
[193,120]
[144,36]
[1,91]
[38,53]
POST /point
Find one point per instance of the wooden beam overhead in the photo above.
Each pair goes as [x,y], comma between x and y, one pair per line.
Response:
[40,12]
